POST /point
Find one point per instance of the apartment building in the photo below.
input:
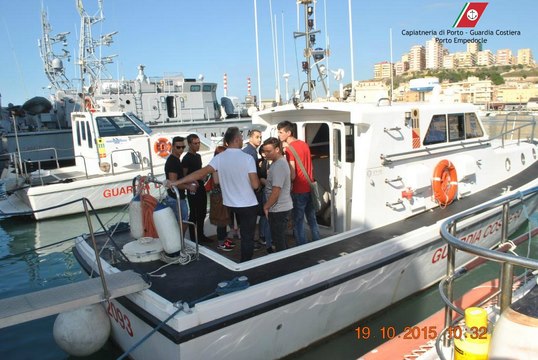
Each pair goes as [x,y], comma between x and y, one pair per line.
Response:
[504,57]
[485,58]
[465,59]
[417,58]
[383,70]
[524,57]
[434,54]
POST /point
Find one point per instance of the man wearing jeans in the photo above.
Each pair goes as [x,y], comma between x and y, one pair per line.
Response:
[278,206]
[238,180]
[300,188]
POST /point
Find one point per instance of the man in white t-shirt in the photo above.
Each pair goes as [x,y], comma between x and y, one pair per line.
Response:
[238,180]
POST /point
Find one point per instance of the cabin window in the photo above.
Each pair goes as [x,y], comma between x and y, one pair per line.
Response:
[83,131]
[349,141]
[436,133]
[207,88]
[79,142]
[90,142]
[337,136]
[472,126]
[117,126]
[195,88]
[350,144]
[317,137]
[456,128]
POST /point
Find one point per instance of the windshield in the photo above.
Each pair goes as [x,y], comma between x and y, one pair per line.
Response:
[139,123]
[120,125]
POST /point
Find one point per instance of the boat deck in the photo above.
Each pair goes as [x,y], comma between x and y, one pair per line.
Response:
[190,286]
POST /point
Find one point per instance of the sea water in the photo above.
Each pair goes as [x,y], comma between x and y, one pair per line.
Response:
[24,269]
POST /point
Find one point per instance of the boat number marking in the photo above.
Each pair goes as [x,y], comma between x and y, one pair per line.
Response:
[471,238]
[122,319]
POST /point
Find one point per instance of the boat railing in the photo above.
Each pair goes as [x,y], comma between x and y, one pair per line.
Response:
[449,231]
[24,168]
[16,157]
[429,150]
[522,125]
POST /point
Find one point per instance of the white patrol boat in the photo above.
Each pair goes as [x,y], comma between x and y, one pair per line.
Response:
[111,148]
[392,174]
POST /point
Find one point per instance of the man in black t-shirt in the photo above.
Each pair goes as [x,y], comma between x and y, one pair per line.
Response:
[192,161]
[173,170]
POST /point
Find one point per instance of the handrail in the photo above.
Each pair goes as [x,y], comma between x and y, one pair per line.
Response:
[448,232]
[387,159]
[452,240]
[133,151]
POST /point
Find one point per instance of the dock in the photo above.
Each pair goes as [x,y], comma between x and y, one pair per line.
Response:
[39,304]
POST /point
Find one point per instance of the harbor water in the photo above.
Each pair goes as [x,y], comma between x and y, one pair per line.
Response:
[24,270]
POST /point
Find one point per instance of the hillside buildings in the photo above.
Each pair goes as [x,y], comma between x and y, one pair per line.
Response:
[434,56]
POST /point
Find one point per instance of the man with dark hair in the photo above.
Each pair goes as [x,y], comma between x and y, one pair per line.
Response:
[238,180]
[174,171]
[300,189]
[192,161]
[278,206]
[254,141]
[251,148]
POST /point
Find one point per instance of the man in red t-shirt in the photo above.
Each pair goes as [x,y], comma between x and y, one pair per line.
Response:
[300,188]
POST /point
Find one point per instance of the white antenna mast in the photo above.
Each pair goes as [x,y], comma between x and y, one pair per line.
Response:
[351,47]
[285,75]
[257,55]
[391,67]
[327,44]
[278,94]
[275,59]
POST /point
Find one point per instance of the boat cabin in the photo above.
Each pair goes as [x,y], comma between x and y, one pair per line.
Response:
[377,164]
[115,142]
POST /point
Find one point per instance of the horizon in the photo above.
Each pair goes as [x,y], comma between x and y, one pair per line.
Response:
[213,38]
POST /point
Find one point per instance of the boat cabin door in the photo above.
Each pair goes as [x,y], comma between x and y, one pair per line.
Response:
[339,176]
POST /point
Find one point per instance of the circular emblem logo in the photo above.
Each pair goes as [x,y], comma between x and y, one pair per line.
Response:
[472,14]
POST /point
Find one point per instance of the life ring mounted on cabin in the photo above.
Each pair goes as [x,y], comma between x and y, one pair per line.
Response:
[162,147]
[445,182]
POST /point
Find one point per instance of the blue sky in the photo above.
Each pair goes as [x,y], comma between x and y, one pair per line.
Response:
[213,37]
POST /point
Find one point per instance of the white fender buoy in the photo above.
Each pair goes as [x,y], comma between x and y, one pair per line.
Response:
[167,228]
[135,218]
[83,331]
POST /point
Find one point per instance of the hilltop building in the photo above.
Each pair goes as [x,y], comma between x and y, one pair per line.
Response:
[504,57]
[434,54]
[524,57]
[417,58]
[485,58]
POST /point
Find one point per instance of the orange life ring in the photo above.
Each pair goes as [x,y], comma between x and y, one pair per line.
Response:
[162,147]
[445,182]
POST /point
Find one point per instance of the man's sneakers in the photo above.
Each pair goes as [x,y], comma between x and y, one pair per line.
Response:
[227,245]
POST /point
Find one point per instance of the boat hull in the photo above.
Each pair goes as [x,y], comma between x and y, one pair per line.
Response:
[278,317]
[65,198]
